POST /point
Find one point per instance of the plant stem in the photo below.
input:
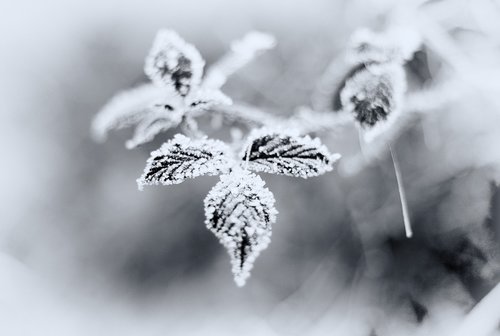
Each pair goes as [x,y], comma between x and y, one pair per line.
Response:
[402,195]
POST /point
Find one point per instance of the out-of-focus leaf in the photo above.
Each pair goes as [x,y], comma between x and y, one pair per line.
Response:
[125,109]
[149,127]
[174,63]
[374,97]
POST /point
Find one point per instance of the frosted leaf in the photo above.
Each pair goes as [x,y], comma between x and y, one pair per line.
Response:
[397,43]
[125,109]
[286,153]
[148,128]
[176,69]
[182,158]
[174,63]
[240,210]
[242,52]
[374,97]
[205,99]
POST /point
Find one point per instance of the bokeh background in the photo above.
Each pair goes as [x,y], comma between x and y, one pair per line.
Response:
[83,252]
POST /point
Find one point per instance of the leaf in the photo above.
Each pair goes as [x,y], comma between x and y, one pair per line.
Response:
[125,109]
[240,210]
[287,154]
[182,158]
[204,99]
[241,53]
[174,63]
[374,95]
[148,128]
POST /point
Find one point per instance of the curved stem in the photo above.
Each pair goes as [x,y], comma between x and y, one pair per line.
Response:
[402,195]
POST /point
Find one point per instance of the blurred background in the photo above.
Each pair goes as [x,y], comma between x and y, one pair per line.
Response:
[83,252]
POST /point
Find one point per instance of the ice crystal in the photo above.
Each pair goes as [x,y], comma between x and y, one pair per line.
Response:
[286,153]
[182,158]
[174,63]
[242,52]
[240,211]
[373,95]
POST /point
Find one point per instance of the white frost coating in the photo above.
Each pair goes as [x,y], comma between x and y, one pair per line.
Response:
[125,109]
[204,99]
[242,52]
[396,44]
[285,152]
[176,68]
[174,62]
[149,127]
[240,210]
[374,96]
[182,158]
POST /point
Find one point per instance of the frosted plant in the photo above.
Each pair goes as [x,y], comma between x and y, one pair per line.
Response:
[374,88]
[371,93]
[177,92]
[285,153]
[374,95]
[239,209]
[182,158]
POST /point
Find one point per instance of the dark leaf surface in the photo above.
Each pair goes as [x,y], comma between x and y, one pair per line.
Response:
[239,211]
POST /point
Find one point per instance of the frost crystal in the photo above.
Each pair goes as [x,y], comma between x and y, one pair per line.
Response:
[374,96]
[182,158]
[240,211]
[286,153]
[242,52]
[174,63]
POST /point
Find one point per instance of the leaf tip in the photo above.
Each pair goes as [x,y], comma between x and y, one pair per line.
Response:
[130,144]
[140,183]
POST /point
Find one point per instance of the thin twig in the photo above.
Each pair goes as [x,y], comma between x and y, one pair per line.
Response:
[402,195]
